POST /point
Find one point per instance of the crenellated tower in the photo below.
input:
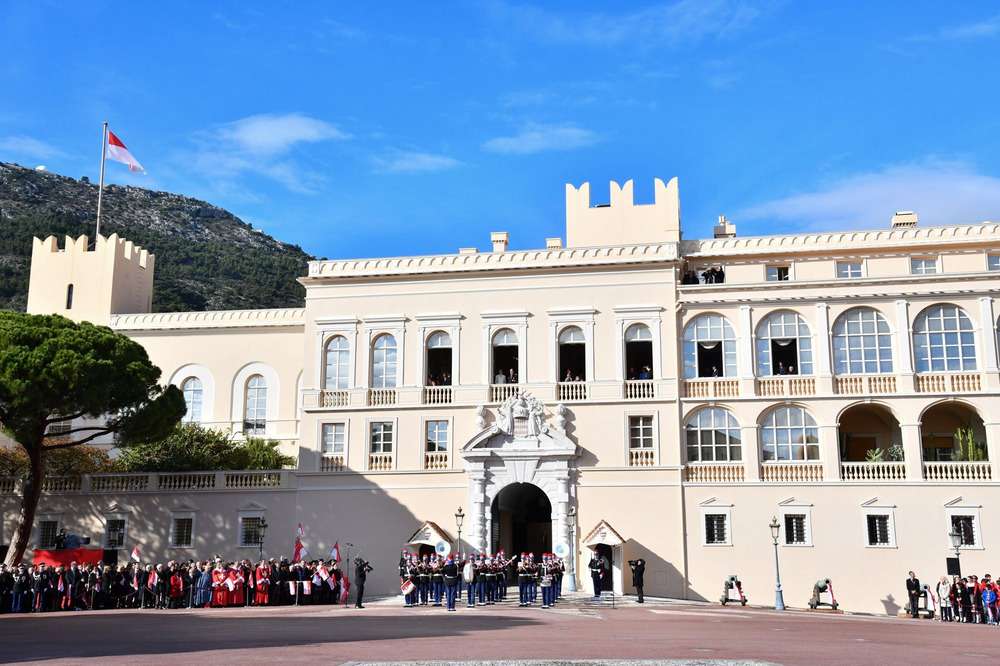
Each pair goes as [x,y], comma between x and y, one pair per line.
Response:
[90,283]
[622,221]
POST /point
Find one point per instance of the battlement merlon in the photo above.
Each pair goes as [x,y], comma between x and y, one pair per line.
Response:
[622,221]
[123,249]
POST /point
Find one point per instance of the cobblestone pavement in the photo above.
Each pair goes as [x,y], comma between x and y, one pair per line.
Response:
[384,632]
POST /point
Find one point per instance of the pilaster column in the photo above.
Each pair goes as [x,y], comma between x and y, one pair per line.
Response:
[829,452]
[750,446]
[824,374]
[993,447]
[988,342]
[904,353]
[744,351]
[913,452]
[554,352]
[477,500]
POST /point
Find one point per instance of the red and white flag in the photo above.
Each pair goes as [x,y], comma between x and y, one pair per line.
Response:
[335,553]
[299,551]
[136,556]
[152,580]
[119,153]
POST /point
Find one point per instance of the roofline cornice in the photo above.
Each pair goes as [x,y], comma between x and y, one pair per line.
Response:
[161,321]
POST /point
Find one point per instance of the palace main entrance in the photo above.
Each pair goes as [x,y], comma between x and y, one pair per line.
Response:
[521,520]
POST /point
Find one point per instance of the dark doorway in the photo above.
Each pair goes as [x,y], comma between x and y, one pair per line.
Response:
[424,549]
[572,362]
[605,553]
[785,356]
[504,363]
[438,367]
[710,359]
[639,360]
[522,521]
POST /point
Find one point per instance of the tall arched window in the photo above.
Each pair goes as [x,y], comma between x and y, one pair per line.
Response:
[505,357]
[438,359]
[572,355]
[337,363]
[255,406]
[789,433]
[638,352]
[862,343]
[384,362]
[784,345]
[943,340]
[709,347]
[192,389]
[713,435]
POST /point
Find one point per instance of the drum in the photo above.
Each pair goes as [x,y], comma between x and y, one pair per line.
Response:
[467,573]
[407,586]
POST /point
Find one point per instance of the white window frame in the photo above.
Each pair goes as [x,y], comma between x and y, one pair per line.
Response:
[872,508]
[626,429]
[424,423]
[856,342]
[711,508]
[189,417]
[46,517]
[860,263]
[690,338]
[923,339]
[172,537]
[449,446]
[450,323]
[626,316]
[348,377]
[787,266]
[347,436]
[395,438]
[993,261]
[923,263]
[115,516]
[561,319]
[956,508]
[248,513]
[796,510]
[692,418]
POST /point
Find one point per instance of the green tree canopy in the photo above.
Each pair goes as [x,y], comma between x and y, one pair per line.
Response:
[190,448]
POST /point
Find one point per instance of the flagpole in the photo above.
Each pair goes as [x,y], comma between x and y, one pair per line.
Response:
[100,188]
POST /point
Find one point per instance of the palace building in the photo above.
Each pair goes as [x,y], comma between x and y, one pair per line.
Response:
[627,390]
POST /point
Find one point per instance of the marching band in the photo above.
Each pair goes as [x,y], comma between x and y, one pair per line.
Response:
[429,580]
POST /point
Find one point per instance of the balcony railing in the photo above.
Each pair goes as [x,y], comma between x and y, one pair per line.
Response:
[117,483]
[331,463]
[196,481]
[500,392]
[253,479]
[950,382]
[338,398]
[379,462]
[566,391]
[436,460]
[62,484]
[641,458]
[780,387]
[958,471]
[382,397]
[714,473]
[791,472]
[865,384]
[437,395]
[156,482]
[639,389]
[868,471]
[711,387]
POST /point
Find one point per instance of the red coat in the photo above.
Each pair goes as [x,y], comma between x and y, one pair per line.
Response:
[176,586]
[220,593]
[237,597]
[262,596]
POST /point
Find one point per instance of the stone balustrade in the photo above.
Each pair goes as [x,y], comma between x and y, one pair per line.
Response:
[339,398]
[436,460]
[864,384]
[641,457]
[572,391]
[331,463]
[437,395]
[785,387]
[382,397]
[380,462]
[156,482]
[873,471]
[958,471]
[639,389]
[711,387]
[791,472]
[948,382]
[714,473]
[500,392]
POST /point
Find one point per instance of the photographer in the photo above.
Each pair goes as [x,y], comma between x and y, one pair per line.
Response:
[638,570]
[361,571]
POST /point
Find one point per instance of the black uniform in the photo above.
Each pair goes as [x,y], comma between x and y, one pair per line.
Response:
[638,571]
[913,592]
[361,569]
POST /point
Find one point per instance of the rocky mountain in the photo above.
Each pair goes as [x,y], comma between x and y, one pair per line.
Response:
[206,257]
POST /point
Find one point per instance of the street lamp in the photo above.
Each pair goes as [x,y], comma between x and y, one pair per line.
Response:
[779,598]
[262,530]
[571,524]
[956,543]
[459,519]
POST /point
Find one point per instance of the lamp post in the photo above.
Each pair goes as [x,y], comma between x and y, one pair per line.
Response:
[571,524]
[262,528]
[956,543]
[459,519]
[779,598]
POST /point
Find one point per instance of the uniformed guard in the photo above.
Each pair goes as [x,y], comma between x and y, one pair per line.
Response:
[471,574]
[546,580]
[596,567]
[450,577]
[533,581]
[413,575]
[437,580]
[523,578]
[424,586]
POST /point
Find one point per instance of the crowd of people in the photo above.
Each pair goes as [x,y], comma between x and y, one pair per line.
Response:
[712,275]
[190,584]
[968,599]
[505,377]
[433,580]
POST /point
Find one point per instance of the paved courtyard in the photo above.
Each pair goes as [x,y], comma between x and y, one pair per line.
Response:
[384,632]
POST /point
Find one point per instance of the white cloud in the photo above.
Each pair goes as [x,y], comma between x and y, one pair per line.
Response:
[986,28]
[940,191]
[270,134]
[414,162]
[663,23]
[538,138]
[26,146]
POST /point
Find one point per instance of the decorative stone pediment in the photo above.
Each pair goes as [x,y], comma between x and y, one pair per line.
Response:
[520,426]
[603,535]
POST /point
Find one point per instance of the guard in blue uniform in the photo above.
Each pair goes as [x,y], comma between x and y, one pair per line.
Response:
[450,575]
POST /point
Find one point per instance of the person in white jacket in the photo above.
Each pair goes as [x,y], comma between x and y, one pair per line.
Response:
[944,600]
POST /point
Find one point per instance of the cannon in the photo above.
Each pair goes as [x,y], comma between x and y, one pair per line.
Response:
[823,595]
[926,605]
[732,590]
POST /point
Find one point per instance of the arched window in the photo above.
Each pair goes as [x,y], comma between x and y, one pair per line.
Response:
[572,355]
[638,352]
[191,387]
[862,343]
[505,357]
[438,359]
[384,362]
[789,433]
[255,406]
[337,362]
[713,435]
[943,340]
[709,347]
[784,345]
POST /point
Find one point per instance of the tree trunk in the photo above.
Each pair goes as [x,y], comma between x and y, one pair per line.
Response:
[29,504]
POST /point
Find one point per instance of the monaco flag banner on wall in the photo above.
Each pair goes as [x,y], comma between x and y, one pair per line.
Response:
[119,153]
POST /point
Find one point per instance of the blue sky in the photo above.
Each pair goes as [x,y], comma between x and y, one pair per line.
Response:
[376,129]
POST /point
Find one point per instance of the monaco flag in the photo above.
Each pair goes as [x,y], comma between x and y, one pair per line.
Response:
[119,153]
[335,552]
[136,557]
[299,551]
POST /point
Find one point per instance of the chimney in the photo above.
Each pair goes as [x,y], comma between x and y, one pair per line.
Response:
[725,228]
[553,243]
[903,219]
[499,240]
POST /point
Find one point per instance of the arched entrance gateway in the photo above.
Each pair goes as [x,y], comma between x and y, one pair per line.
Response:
[519,468]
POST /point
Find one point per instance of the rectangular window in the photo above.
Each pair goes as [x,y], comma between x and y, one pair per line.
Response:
[114,533]
[716,530]
[47,530]
[381,437]
[333,439]
[879,529]
[58,429]
[640,432]
[923,265]
[251,533]
[965,525]
[848,269]
[795,529]
[777,273]
[437,436]
[182,533]
[993,262]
